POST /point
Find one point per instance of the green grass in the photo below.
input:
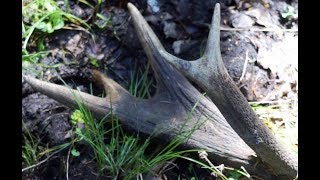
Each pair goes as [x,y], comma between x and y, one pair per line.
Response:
[97,18]
[33,153]
[30,148]
[126,156]
[44,16]
[41,18]
[120,154]
[140,83]
[123,155]
[113,150]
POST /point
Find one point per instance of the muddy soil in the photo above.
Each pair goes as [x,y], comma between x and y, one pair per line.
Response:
[262,61]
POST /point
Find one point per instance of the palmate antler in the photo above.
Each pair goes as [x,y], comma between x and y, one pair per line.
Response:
[168,110]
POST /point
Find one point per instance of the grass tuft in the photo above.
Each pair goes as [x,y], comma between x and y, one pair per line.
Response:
[44,16]
[30,149]
[140,83]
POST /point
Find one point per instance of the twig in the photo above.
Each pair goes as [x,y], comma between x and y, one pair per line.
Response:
[244,67]
[41,162]
[203,155]
[255,29]
[257,177]
[271,102]
[166,166]
[67,166]
[79,28]
[139,176]
[76,27]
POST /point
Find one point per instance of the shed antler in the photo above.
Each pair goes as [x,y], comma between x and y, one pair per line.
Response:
[211,75]
[175,98]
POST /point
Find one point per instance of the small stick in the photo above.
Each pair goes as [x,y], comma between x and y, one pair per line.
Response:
[67,166]
[41,162]
[271,102]
[255,29]
[244,67]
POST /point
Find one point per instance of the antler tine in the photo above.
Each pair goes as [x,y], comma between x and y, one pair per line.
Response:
[118,100]
[68,96]
[211,75]
[144,30]
[213,43]
[147,37]
[113,89]
[151,44]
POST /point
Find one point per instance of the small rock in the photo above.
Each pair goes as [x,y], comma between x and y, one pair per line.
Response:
[153,19]
[240,20]
[169,29]
[154,5]
[75,45]
[191,29]
[183,46]
[166,16]
[262,16]
[281,58]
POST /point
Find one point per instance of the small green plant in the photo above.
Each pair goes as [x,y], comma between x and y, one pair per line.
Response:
[102,21]
[94,62]
[117,154]
[40,18]
[97,18]
[29,151]
[75,153]
[77,117]
[29,60]
[44,16]
[289,13]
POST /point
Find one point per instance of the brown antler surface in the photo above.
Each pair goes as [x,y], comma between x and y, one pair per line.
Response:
[211,75]
[170,108]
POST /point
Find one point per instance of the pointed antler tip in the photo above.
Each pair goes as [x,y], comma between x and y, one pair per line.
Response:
[27,78]
[217,9]
[24,77]
[129,5]
[98,76]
